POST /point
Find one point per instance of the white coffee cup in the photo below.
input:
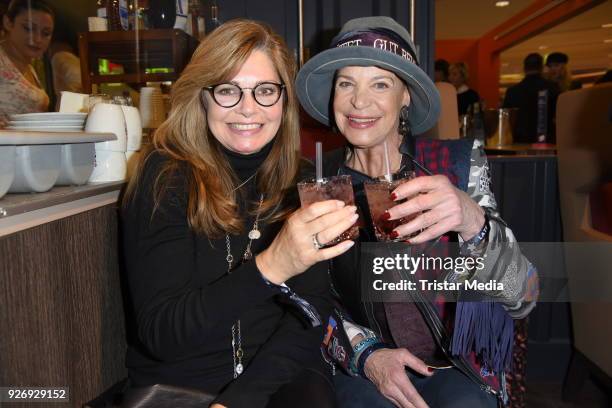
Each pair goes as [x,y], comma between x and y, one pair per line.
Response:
[77,163]
[36,168]
[106,117]
[7,167]
[134,127]
[108,166]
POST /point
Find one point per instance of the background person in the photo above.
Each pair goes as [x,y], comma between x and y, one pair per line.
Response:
[211,233]
[28,28]
[441,70]
[524,96]
[466,97]
[558,72]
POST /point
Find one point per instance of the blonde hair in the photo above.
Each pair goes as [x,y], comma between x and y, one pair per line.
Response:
[186,139]
[462,68]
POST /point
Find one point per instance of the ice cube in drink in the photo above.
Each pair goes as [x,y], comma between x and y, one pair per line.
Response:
[330,188]
[378,193]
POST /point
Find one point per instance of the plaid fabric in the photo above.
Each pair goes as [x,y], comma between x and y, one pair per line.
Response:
[436,157]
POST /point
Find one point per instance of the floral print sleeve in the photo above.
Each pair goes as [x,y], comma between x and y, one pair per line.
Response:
[504,261]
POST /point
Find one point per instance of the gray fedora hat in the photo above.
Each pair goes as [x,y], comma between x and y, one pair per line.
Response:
[369,41]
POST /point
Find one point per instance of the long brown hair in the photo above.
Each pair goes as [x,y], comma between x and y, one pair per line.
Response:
[187,141]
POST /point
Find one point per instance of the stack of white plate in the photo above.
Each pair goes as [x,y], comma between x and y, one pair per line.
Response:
[48,122]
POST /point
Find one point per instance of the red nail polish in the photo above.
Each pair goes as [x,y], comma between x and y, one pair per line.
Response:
[386,215]
[394,234]
[430,369]
[393,196]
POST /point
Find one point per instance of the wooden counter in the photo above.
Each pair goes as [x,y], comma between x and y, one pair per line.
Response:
[62,318]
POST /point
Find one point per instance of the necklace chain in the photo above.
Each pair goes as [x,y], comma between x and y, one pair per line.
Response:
[244,182]
[237,351]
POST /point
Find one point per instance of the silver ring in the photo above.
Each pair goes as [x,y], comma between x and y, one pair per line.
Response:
[316,243]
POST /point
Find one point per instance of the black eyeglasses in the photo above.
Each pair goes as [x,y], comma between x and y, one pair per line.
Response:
[228,95]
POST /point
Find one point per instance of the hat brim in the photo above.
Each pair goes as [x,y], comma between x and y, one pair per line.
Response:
[315,81]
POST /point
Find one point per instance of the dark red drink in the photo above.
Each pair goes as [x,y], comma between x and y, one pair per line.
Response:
[332,188]
[378,193]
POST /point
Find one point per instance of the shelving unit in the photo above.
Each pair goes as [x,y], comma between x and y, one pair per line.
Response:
[136,51]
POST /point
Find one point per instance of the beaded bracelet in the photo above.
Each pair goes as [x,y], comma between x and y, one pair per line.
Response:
[366,353]
[357,350]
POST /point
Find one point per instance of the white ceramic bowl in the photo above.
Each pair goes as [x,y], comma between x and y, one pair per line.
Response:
[36,168]
[7,168]
[109,166]
[77,164]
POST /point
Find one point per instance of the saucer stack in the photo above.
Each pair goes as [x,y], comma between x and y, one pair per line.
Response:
[48,122]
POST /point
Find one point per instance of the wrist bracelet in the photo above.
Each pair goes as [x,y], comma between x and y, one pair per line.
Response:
[482,234]
[366,353]
[358,350]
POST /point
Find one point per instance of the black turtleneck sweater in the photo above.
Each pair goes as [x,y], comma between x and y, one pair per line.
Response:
[184,301]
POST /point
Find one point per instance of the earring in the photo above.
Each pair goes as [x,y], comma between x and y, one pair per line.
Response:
[404,125]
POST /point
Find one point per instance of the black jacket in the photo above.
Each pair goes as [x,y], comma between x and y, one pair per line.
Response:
[524,96]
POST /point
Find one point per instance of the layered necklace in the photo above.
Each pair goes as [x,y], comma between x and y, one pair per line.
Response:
[254,233]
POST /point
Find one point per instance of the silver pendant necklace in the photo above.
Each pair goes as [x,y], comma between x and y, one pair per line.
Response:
[237,351]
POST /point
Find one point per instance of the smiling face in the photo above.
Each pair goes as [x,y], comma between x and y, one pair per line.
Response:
[367,102]
[30,33]
[248,126]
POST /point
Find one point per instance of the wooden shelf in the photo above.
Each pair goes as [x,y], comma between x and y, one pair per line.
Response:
[132,78]
[136,51]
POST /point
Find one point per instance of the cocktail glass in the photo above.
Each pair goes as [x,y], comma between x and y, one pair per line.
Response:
[330,188]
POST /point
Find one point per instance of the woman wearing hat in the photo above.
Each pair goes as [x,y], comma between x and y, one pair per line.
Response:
[369,87]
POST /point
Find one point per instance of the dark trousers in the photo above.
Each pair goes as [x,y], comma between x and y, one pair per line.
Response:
[445,389]
[310,389]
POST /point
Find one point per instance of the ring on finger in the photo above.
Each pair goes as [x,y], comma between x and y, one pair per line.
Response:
[315,242]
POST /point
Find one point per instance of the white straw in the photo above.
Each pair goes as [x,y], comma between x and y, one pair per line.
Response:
[319,162]
[387,165]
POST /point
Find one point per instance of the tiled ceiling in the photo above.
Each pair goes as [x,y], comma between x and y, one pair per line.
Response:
[472,18]
[581,37]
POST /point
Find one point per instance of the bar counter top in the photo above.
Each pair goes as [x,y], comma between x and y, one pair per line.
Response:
[26,210]
[534,149]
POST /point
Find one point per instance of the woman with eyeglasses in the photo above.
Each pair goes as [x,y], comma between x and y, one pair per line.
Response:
[28,28]
[227,290]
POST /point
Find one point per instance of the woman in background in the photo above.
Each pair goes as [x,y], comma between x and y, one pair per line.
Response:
[466,97]
[28,28]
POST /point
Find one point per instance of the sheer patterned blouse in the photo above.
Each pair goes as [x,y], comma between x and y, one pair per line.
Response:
[17,94]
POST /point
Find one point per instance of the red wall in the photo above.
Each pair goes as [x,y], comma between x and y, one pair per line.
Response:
[458,50]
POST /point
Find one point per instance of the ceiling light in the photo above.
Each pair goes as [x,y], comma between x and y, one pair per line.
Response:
[502,3]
